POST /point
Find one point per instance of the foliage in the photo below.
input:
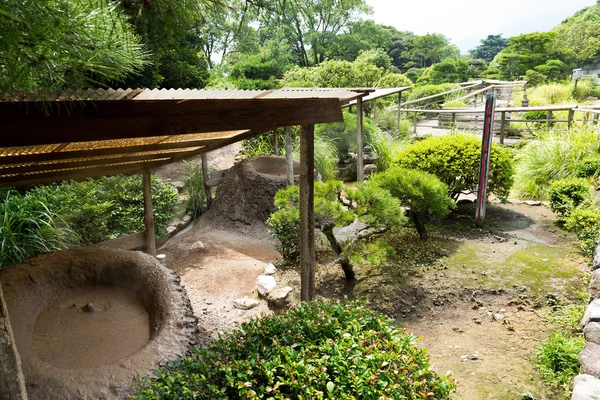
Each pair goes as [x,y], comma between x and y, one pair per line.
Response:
[588,167]
[375,207]
[557,359]
[430,49]
[400,45]
[57,44]
[489,47]
[448,71]
[566,194]
[360,36]
[455,161]
[581,33]
[585,222]
[387,121]
[319,350]
[28,228]
[430,90]
[553,155]
[568,317]
[423,193]
[193,183]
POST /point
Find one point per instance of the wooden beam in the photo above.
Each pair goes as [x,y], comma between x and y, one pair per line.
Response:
[148,217]
[28,123]
[289,156]
[205,179]
[360,173]
[307,216]
[12,381]
[275,142]
[502,127]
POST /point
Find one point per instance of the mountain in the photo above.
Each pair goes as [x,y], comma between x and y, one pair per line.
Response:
[581,33]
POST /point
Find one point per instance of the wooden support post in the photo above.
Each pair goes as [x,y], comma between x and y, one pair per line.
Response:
[452,124]
[206,178]
[475,100]
[596,118]
[289,159]
[12,381]
[570,118]
[148,218]
[360,173]
[374,108]
[307,213]
[484,165]
[502,127]
[399,109]
[415,123]
[275,143]
[549,119]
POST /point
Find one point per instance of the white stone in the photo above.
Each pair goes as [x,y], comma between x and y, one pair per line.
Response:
[245,303]
[270,270]
[171,228]
[161,256]
[265,284]
[586,387]
[197,246]
[533,203]
[187,218]
[277,298]
[592,313]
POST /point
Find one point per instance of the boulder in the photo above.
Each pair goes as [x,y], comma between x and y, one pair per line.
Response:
[270,270]
[349,233]
[595,285]
[197,246]
[245,303]
[586,387]
[596,262]
[592,313]
[533,203]
[265,284]
[592,332]
[278,298]
[590,359]
[369,169]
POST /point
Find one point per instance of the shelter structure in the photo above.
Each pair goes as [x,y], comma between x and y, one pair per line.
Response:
[89,133]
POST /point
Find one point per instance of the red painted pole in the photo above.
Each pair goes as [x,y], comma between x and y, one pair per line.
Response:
[484,165]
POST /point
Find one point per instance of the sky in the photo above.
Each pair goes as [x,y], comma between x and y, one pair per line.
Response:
[466,22]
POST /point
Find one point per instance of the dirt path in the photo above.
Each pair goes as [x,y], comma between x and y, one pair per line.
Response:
[477,297]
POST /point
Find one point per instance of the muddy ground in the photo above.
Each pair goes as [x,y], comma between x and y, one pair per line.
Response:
[477,297]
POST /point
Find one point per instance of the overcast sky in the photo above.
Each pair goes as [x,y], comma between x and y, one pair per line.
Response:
[466,22]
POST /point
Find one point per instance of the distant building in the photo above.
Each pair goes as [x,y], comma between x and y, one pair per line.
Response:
[592,70]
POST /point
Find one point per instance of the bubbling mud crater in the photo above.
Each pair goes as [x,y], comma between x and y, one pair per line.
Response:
[88,320]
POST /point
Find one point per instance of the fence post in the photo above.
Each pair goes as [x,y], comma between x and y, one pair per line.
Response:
[548,118]
[570,118]
[503,127]
[399,105]
[484,165]
[595,120]
[415,123]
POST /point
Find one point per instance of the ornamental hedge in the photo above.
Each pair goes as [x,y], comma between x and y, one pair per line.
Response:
[321,350]
[455,161]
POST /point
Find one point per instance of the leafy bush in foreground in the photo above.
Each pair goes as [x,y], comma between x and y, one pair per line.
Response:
[321,350]
[566,194]
[558,359]
[455,161]
[585,222]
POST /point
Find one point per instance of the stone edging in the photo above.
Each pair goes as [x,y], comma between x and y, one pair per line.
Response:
[586,386]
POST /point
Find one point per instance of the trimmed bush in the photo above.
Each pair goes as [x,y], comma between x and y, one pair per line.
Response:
[321,350]
[585,222]
[455,161]
[588,167]
[566,194]
[423,193]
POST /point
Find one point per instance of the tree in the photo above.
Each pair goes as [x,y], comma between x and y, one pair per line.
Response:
[430,49]
[58,44]
[581,34]
[401,43]
[360,36]
[489,47]
[448,71]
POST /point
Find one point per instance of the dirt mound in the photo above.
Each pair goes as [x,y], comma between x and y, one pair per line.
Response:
[88,320]
[245,195]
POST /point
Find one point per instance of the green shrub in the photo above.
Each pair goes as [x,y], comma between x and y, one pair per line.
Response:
[430,90]
[557,359]
[588,167]
[321,350]
[455,161]
[566,194]
[193,180]
[553,155]
[585,222]
[568,317]
[387,121]
[423,193]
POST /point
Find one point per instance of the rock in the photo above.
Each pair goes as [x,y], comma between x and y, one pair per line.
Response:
[370,158]
[270,270]
[265,284]
[245,303]
[178,185]
[595,284]
[197,246]
[596,262]
[513,201]
[498,317]
[369,169]
[171,229]
[278,297]
[590,359]
[592,332]
[586,387]
[321,242]
[161,256]
[349,233]
[592,313]
[187,218]
[533,203]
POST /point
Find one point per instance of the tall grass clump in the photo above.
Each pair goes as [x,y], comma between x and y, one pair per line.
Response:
[387,120]
[194,188]
[28,228]
[553,155]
